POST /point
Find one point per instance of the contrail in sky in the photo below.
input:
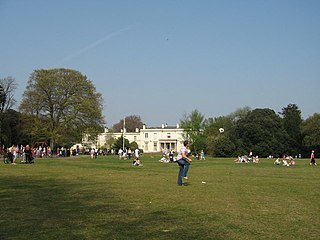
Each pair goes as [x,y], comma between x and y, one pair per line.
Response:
[92,45]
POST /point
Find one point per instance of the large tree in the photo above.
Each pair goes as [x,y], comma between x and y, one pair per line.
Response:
[311,132]
[129,122]
[63,105]
[218,143]
[292,124]
[262,132]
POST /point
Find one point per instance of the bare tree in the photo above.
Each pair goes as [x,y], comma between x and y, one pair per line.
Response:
[8,85]
[130,123]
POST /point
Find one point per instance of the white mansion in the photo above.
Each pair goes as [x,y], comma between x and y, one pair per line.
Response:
[153,139]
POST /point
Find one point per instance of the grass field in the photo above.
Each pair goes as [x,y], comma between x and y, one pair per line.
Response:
[108,198]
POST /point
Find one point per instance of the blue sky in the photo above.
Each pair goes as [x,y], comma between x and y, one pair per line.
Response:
[161,59]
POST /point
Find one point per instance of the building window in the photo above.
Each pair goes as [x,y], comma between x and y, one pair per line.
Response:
[168,135]
[146,135]
[146,146]
[155,146]
[162,145]
[135,138]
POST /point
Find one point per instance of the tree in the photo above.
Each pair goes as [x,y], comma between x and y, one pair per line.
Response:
[262,132]
[63,104]
[219,144]
[292,124]
[8,85]
[131,123]
[194,125]
[311,132]
[13,128]
[7,101]
[119,143]
[240,113]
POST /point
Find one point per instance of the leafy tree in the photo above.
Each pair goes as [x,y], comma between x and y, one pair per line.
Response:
[64,104]
[220,146]
[311,132]
[214,137]
[13,128]
[292,124]
[262,132]
[194,125]
[131,123]
[239,113]
[119,143]
[133,145]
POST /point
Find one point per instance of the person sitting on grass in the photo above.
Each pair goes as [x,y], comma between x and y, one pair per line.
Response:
[277,161]
[255,159]
[292,162]
[136,161]
[285,162]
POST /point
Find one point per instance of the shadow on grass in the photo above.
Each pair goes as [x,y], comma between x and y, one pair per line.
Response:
[54,209]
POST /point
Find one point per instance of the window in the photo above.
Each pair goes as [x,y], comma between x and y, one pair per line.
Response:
[168,135]
[146,146]
[173,146]
[146,135]
[162,145]
[135,138]
[155,146]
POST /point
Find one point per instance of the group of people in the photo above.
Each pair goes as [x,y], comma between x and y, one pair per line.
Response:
[286,161]
[14,152]
[290,161]
[247,159]
[168,157]
[128,154]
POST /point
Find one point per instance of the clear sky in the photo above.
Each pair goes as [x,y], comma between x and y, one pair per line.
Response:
[161,59]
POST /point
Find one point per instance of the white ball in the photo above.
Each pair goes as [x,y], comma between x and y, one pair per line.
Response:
[221,130]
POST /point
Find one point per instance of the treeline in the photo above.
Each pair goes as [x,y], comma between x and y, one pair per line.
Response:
[262,131]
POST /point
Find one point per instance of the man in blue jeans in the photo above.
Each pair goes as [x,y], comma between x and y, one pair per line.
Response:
[184,162]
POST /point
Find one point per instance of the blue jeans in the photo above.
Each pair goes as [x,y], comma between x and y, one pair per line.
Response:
[183,169]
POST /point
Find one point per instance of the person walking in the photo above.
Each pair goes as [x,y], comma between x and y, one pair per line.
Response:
[184,163]
[312,159]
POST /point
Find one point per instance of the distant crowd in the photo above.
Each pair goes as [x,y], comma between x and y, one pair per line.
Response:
[27,154]
[286,160]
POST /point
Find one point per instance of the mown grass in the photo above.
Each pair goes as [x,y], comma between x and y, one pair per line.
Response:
[108,198]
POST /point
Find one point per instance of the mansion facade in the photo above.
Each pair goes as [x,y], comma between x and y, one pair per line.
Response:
[153,139]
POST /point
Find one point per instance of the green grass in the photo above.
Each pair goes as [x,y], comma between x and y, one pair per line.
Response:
[108,198]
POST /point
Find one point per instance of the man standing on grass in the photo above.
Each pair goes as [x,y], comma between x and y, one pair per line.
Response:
[184,162]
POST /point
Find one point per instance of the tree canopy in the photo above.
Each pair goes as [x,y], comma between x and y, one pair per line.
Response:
[194,125]
[63,104]
[129,122]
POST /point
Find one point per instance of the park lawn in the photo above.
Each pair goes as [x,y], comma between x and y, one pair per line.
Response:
[108,198]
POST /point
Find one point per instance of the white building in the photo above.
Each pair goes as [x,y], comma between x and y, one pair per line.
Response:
[154,139]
